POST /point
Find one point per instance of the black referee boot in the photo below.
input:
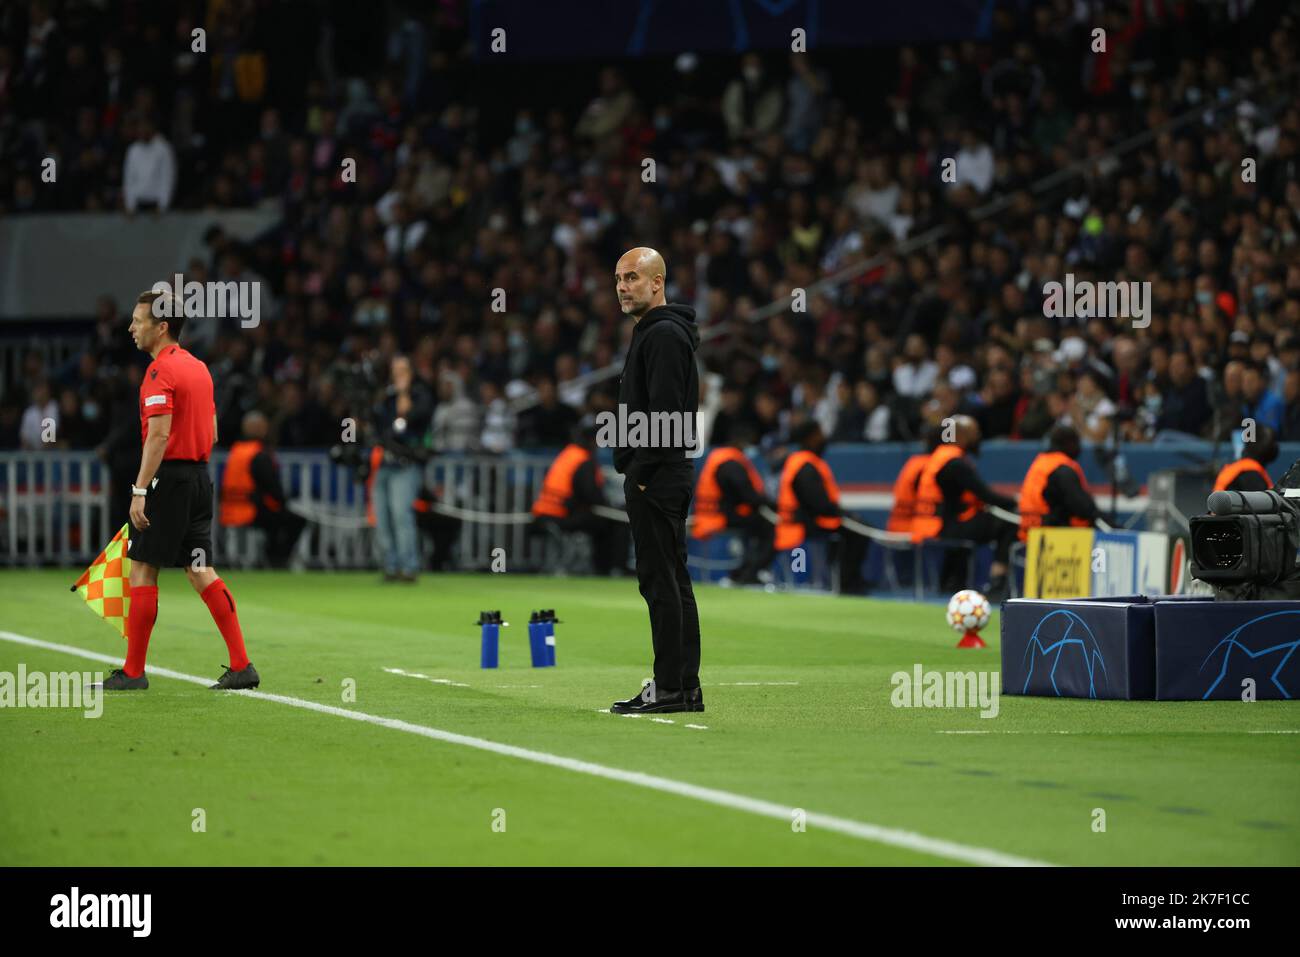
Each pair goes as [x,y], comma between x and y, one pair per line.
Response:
[119,680]
[652,700]
[232,680]
[694,699]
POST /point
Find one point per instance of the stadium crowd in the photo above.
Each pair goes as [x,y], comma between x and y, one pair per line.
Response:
[768,178]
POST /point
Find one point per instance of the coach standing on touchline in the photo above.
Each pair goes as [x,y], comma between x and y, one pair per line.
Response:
[659,375]
[171,503]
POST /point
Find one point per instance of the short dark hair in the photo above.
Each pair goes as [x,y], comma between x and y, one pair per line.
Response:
[1064,438]
[175,322]
[804,431]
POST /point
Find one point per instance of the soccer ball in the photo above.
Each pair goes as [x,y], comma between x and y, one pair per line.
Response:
[968,610]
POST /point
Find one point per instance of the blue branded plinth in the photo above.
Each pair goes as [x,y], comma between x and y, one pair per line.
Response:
[1079,649]
[1227,650]
[1168,648]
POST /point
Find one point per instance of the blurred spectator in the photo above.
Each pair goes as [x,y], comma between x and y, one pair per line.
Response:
[149,172]
[40,419]
[915,373]
[400,422]
[1291,416]
[752,103]
[1259,403]
[456,419]
[498,433]
[1185,407]
[550,423]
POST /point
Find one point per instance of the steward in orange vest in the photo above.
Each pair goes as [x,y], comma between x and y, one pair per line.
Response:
[904,509]
[806,495]
[729,495]
[951,499]
[808,502]
[729,491]
[251,493]
[1054,491]
[936,506]
[574,483]
[1248,474]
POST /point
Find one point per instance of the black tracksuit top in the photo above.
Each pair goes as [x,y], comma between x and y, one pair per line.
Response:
[659,375]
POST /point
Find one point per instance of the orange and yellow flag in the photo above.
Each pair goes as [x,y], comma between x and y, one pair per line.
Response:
[106,584]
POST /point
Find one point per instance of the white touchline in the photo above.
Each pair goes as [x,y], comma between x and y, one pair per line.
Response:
[895,837]
[416,674]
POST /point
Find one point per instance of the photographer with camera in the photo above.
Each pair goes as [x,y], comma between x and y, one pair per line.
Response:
[399,424]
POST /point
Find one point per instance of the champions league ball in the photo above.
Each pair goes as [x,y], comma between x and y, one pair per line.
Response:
[968,610]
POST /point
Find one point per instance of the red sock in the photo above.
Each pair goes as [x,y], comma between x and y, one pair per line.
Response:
[219,601]
[139,626]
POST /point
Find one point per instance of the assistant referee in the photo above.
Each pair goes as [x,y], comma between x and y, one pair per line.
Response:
[171,500]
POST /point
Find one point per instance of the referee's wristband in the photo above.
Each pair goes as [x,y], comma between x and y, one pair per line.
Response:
[135,490]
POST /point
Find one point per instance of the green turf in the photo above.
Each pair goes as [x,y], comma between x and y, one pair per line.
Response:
[1180,783]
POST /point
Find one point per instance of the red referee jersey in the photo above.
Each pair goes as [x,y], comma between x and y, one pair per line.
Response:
[179,385]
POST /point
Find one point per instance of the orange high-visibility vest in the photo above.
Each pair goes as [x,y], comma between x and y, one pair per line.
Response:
[709,517]
[1033,503]
[557,486]
[900,516]
[1229,473]
[927,521]
[238,491]
[376,460]
[790,533]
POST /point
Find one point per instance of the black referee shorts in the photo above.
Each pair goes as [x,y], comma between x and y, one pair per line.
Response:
[179,509]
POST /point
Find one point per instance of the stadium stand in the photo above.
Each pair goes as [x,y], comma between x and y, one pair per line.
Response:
[924,298]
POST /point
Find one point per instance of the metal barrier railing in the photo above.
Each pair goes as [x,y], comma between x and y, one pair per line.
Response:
[338,534]
[53,507]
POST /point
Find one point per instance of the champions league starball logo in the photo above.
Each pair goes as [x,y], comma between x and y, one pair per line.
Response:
[1246,651]
[1063,636]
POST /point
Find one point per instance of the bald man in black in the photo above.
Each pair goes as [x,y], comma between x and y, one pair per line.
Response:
[660,376]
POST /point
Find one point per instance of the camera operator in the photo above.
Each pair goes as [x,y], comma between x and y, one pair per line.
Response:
[1246,547]
[399,424]
[1248,473]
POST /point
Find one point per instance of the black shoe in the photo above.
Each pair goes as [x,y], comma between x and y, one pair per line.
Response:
[232,680]
[998,591]
[694,699]
[652,701]
[119,680]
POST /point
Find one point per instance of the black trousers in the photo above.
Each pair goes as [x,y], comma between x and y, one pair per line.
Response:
[608,538]
[849,551]
[984,528]
[282,530]
[757,535]
[658,520]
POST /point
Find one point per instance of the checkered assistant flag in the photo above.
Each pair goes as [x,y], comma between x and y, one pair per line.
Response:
[106,584]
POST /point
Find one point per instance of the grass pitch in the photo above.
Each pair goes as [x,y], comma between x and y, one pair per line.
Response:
[797,689]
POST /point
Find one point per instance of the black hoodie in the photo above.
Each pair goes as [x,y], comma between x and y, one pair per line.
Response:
[659,375]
